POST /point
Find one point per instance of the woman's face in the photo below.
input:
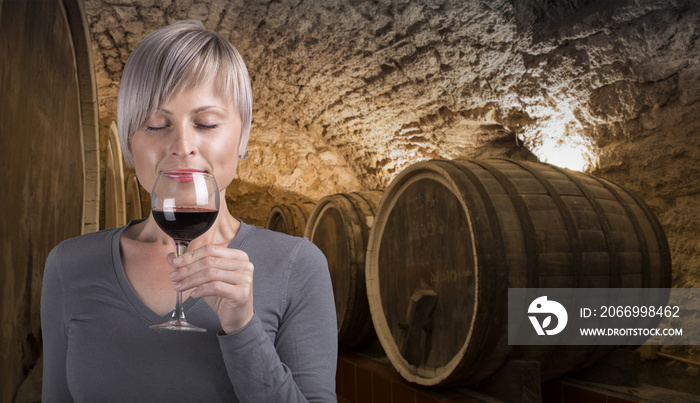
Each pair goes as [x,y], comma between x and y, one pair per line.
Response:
[195,130]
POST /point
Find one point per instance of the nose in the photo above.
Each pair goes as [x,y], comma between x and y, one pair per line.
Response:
[183,142]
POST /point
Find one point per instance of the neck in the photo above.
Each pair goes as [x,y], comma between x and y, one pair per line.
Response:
[221,232]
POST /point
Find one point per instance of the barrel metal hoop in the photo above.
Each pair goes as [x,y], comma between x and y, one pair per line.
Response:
[496,234]
[569,223]
[367,207]
[295,213]
[664,251]
[526,223]
[498,280]
[354,330]
[574,240]
[643,247]
[352,222]
[604,221]
[287,213]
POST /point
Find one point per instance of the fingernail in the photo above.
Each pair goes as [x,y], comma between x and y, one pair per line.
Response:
[178,286]
[172,275]
[178,259]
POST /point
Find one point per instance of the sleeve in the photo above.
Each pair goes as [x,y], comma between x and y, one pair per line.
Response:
[301,364]
[54,383]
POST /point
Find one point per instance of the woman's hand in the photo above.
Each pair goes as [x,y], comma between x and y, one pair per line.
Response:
[223,277]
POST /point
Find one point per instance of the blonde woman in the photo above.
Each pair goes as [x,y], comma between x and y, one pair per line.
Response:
[265,298]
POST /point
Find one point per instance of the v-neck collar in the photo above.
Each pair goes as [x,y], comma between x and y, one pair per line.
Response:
[146,313]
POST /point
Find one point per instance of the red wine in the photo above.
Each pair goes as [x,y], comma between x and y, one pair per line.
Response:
[184,223]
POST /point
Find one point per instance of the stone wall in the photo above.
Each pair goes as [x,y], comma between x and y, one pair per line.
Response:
[348,93]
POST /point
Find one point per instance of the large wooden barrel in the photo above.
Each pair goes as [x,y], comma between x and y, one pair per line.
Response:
[49,146]
[132,196]
[456,235]
[115,203]
[339,225]
[289,218]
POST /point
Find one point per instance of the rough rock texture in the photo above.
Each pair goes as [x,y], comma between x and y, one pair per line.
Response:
[348,93]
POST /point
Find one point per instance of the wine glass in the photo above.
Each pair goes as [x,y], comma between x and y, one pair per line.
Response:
[184,204]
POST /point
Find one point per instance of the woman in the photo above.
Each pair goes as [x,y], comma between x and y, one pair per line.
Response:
[265,298]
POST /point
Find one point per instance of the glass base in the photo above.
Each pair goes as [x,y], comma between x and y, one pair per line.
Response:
[178,324]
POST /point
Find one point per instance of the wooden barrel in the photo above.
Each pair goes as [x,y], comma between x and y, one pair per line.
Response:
[289,218]
[132,196]
[115,203]
[339,225]
[453,237]
[49,146]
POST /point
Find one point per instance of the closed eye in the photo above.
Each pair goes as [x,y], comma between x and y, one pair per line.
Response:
[155,128]
[208,127]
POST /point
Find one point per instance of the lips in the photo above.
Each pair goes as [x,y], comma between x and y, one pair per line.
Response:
[185,170]
[183,174]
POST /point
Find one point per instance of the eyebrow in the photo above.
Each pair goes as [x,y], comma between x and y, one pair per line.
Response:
[196,111]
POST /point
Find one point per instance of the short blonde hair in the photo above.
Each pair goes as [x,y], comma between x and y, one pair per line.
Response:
[173,58]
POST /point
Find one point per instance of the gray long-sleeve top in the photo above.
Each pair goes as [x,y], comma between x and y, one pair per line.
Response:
[98,345]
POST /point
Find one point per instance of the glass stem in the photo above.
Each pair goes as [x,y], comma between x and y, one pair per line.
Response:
[179,313]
